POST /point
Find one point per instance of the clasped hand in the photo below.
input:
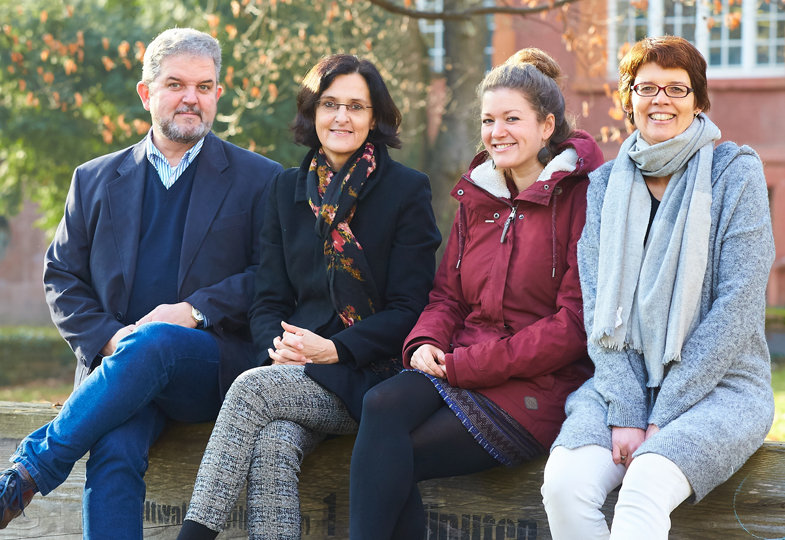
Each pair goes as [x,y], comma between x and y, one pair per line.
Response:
[429,359]
[301,346]
[626,440]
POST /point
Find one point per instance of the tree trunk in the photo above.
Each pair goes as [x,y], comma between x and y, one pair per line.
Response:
[457,140]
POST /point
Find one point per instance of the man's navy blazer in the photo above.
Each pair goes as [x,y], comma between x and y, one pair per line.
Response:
[89,267]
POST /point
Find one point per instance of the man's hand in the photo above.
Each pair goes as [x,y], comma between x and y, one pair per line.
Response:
[111,345]
[179,314]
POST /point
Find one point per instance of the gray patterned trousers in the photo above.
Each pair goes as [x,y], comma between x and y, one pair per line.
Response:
[272,416]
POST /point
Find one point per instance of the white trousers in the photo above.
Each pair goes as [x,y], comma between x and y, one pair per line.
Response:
[578,481]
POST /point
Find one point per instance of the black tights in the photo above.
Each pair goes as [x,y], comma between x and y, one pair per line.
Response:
[407,434]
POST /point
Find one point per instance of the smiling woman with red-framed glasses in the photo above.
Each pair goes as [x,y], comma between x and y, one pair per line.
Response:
[674,261]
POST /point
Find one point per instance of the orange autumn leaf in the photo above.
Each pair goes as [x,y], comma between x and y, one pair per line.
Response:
[213,20]
[127,64]
[109,65]
[368,44]
[231,31]
[228,77]
[105,43]
[123,125]
[78,99]
[123,49]
[272,91]
[44,16]
[49,77]
[140,48]
[141,126]
[107,135]
[69,66]
[69,11]
[22,85]
[44,55]
[733,20]
[11,70]
[29,99]
[616,113]
[235,9]
[641,5]
[255,92]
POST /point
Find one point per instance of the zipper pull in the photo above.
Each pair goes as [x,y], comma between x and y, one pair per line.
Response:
[507,223]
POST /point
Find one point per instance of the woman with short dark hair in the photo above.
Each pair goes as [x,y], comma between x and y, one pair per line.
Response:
[347,260]
[674,261]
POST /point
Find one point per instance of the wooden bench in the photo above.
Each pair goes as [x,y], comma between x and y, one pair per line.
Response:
[498,504]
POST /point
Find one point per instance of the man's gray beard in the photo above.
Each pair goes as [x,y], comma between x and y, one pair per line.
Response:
[175,133]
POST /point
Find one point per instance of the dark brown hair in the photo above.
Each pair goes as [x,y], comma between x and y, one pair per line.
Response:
[319,78]
[667,52]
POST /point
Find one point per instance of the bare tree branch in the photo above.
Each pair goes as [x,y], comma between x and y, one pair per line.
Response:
[468,13]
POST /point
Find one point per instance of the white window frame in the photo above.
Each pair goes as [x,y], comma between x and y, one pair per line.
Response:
[655,24]
[435,29]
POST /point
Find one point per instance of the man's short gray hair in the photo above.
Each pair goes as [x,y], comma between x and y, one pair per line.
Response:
[175,41]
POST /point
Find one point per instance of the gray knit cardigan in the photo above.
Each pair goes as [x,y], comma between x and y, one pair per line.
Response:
[714,407]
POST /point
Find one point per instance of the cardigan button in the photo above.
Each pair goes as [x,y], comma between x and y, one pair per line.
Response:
[520,216]
[460,192]
[546,187]
[496,215]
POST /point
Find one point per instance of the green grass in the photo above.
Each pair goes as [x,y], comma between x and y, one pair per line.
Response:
[43,390]
[777,432]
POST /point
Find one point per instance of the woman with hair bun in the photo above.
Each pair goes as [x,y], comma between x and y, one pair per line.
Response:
[501,343]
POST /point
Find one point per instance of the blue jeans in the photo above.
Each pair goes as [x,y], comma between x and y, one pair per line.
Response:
[159,371]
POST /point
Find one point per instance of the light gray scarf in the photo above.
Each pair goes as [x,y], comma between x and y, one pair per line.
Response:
[648,297]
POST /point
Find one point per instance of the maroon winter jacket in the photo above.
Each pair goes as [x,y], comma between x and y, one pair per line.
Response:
[506,304]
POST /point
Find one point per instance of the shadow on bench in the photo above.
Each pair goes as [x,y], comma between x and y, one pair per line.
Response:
[498,504]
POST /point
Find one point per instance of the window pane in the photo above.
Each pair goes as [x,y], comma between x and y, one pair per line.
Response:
[762,54]
[715,56]
[734,55]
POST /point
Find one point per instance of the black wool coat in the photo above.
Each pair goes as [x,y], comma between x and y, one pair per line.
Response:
[395,225]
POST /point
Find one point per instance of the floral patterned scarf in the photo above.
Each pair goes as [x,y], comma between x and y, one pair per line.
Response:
[333,199]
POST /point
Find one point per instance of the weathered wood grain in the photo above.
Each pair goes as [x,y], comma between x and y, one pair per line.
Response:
[498,504]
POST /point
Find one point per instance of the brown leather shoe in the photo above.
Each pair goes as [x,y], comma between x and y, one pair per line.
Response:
[17,488]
